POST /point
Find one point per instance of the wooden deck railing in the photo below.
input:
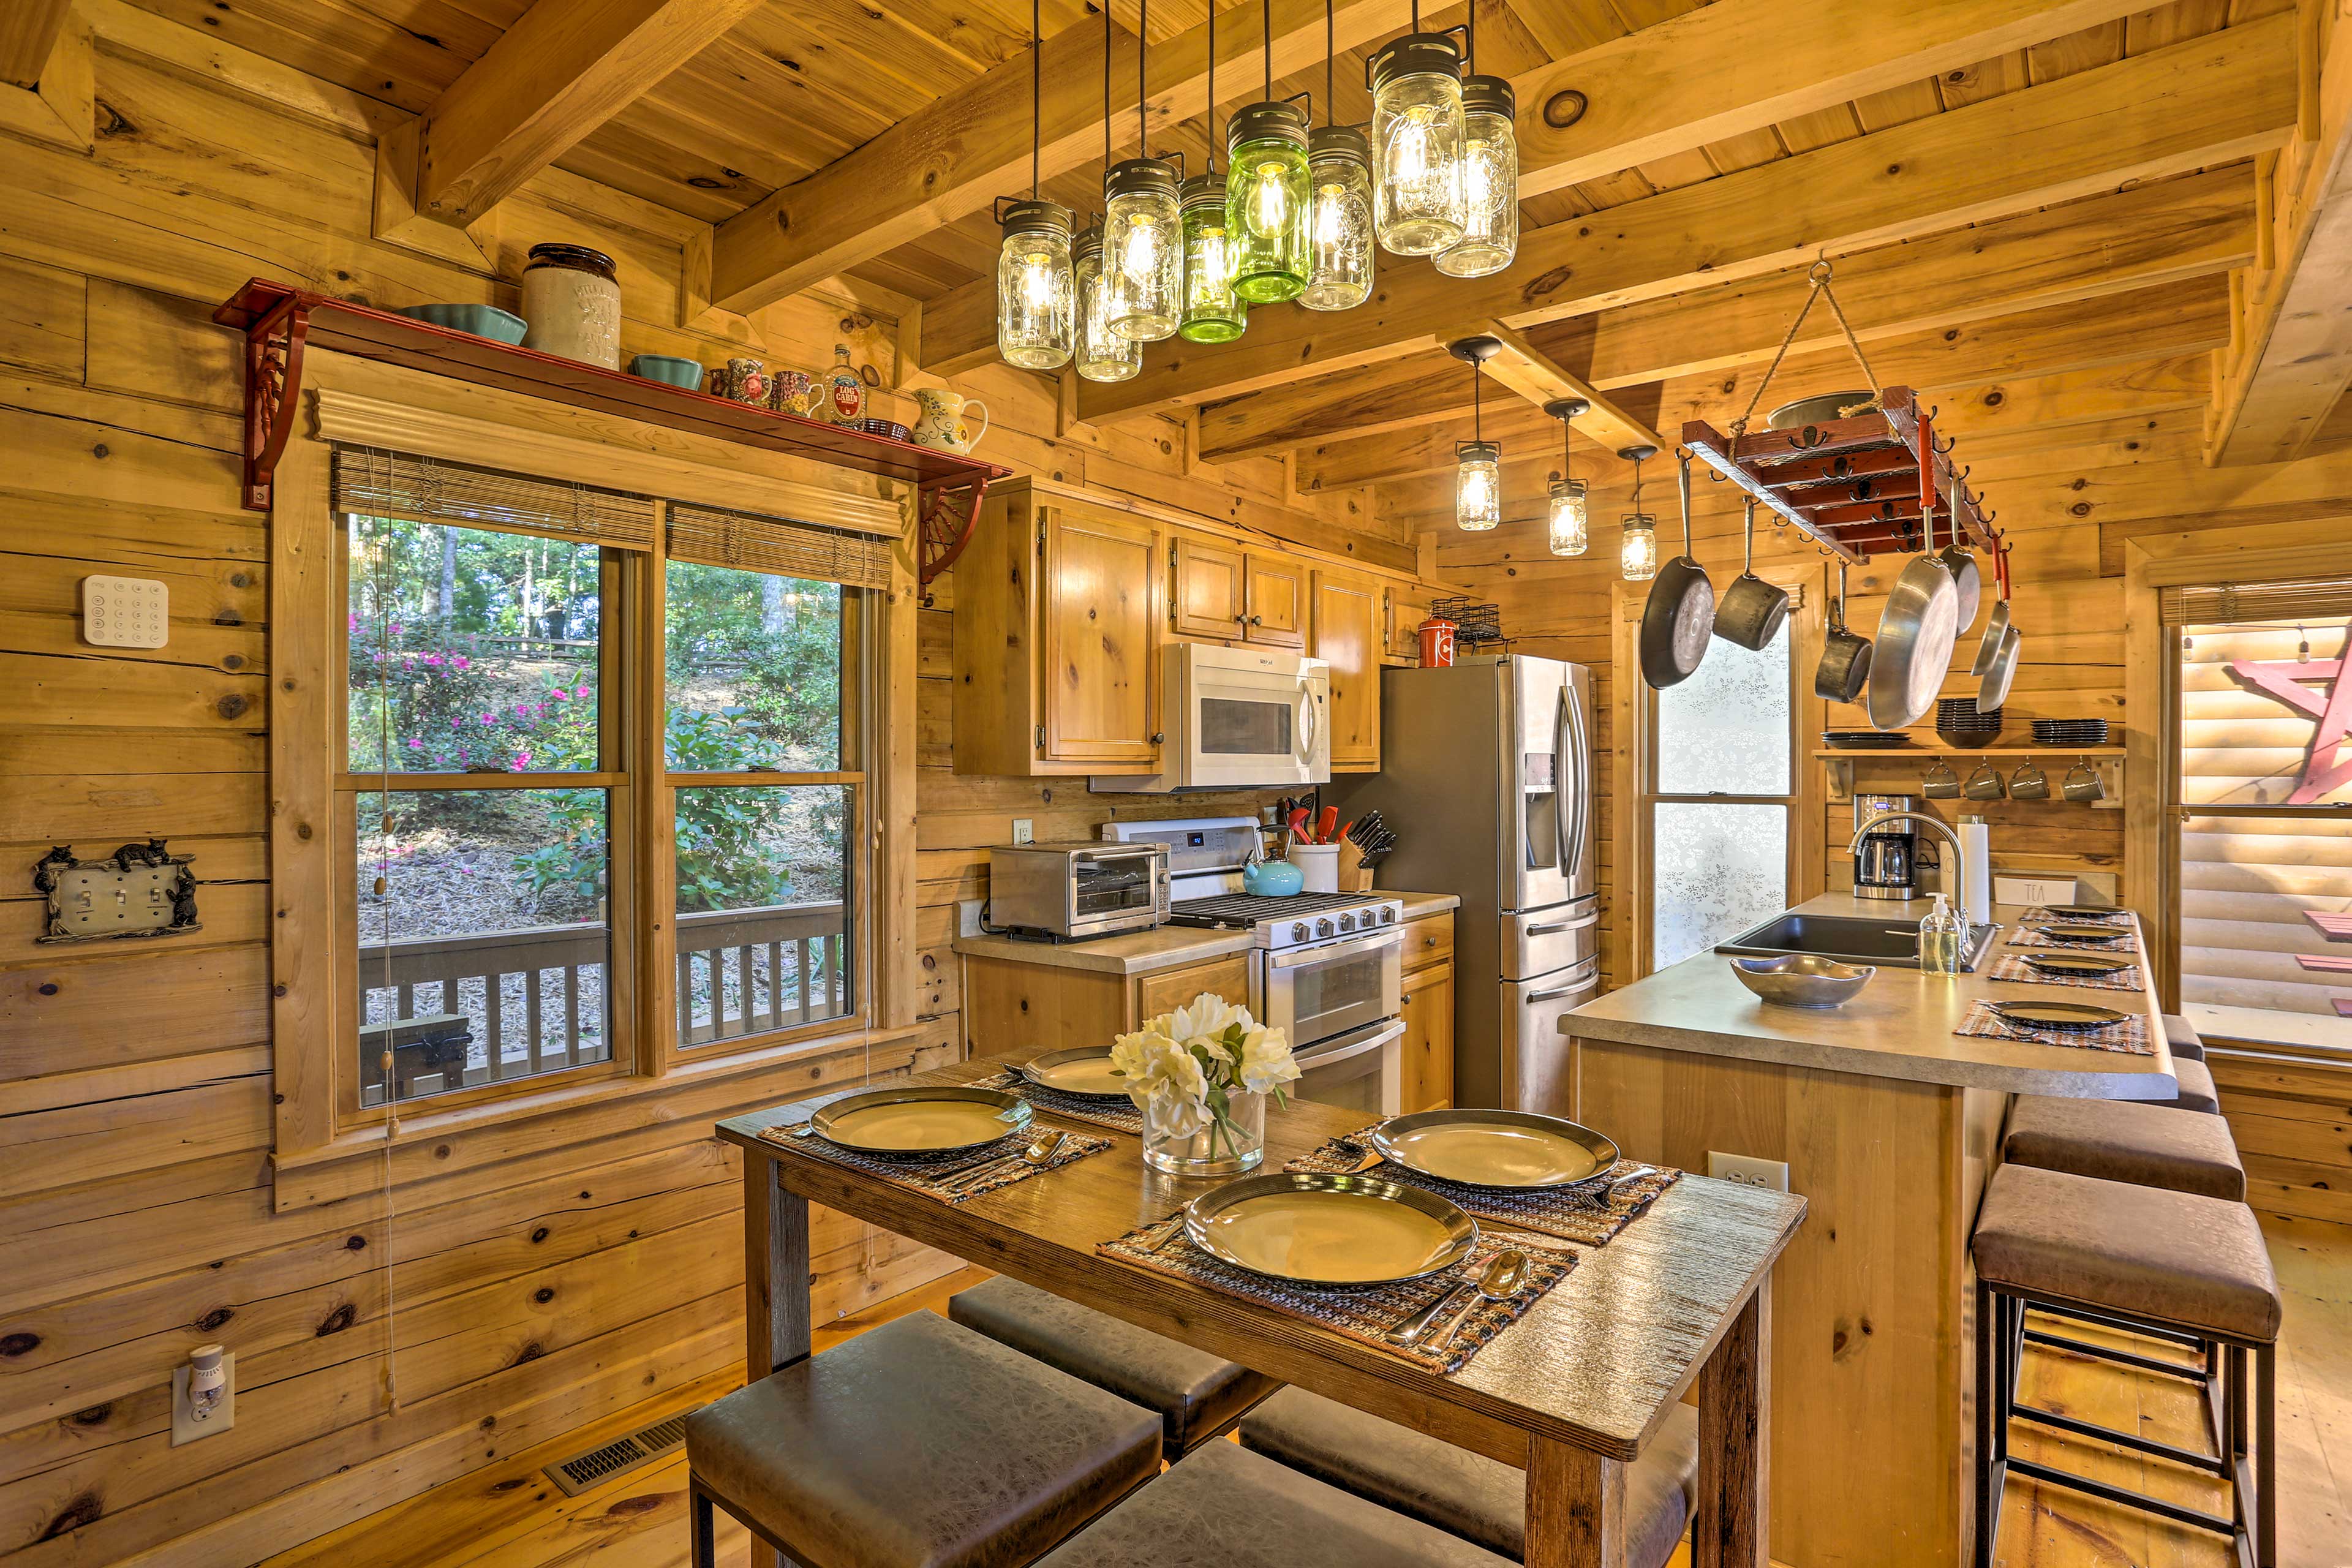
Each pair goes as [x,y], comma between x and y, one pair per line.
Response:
[764,969]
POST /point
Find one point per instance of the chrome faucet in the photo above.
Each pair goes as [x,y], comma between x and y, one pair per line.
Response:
[1959,900]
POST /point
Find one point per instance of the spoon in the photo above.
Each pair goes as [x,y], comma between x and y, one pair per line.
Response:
[1040,1153]
[1500,1280]
[1170,1228]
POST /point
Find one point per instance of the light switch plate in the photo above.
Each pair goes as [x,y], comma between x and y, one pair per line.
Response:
[1772,1175]
[125,612]
[187,1429]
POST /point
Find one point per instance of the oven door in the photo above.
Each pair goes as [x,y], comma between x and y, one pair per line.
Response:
[1247,726]
[1315,993]
[1115,889]
[1361,1070]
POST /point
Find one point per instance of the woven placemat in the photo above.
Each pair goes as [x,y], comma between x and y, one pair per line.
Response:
[951,1178]
[2012,966]
[1572,1213]
[2043,912]
[2122,945]
[1364,1312]
[2129,1036]
[1119,1115]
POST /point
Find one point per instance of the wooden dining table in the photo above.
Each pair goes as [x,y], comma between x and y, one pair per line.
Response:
[1572,1393]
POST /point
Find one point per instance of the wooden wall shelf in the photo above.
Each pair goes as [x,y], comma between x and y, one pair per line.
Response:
[280,321]
[1864,754]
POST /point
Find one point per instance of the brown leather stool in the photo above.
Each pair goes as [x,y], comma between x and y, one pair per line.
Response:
[916,1445]
[2149,1143]
[2172,1266]
[1462,1493]
[1198,1395]
[1225,1506]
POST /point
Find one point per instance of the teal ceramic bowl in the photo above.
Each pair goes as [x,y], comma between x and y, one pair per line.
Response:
[482,321]
[683,372]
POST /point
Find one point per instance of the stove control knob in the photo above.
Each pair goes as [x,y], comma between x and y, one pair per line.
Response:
[1347,922]
[1323,928]
[1388,915]
[1299,930]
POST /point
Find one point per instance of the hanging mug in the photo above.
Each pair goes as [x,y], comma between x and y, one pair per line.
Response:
[1941,782]
[939,426]
[2029,783]
[2083,782]
[741,381]
[1984,783]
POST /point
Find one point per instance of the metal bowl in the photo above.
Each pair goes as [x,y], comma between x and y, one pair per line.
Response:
[1202,1216]
[1802,980]
[1821,410]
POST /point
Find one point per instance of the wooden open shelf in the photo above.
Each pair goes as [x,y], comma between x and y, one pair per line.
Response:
[1862,754]
[280,321]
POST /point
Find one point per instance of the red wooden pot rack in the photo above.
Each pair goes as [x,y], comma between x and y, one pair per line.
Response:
[279,323]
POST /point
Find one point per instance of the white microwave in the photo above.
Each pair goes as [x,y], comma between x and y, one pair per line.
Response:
[1237,718]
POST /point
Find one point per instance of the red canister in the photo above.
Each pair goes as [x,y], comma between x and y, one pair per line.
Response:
[1436,644]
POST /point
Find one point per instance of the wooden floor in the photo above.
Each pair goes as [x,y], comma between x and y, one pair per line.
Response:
[508,1516]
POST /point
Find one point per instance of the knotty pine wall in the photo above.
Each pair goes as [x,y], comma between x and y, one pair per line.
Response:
[135,1199]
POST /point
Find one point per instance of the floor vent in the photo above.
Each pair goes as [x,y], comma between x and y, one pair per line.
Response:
[617,1457]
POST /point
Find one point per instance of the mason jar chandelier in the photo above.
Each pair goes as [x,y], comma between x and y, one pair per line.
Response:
[1033,276]
[1417,136]
[1265,191]
[1490,175]
[1144,232]
[1568,520]
[1478,462]
[1214,314]
[1637,551]
[1339,245]
[1101,354]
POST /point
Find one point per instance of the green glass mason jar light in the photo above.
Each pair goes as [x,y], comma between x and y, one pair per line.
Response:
[1212,312]
[1266,196]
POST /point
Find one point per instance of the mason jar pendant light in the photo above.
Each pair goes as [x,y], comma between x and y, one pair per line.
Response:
[1417,136]
[1143,234]
[1340,216]
[1101,354]
[1478,462]
[1490,175]
[1266,192]
[1568,521]
[1637,551]
[1212,312]
[1034,281]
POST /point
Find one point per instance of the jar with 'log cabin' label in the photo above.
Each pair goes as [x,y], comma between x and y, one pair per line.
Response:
[572,298]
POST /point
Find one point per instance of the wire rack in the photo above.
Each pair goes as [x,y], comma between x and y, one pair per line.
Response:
[1473,622]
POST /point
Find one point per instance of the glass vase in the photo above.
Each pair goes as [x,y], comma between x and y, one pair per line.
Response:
[1230,1145]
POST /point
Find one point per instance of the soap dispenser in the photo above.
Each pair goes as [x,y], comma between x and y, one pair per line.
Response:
[1940,940]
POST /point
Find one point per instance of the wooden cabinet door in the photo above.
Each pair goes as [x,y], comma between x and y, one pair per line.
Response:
[1408,607]
[1170,989]
[1205,589]
[1427,1048]
[1348,637]
[1276,593]
[1100,606]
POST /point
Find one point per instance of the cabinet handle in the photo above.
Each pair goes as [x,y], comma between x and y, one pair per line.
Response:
[1257,620]
[1158,736]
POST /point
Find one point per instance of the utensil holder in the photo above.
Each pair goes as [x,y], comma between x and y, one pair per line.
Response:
[1319,864]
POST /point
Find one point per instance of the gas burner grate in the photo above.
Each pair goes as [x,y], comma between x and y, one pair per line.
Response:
[1243,910]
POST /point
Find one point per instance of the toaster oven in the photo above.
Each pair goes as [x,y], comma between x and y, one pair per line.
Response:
[1085,888]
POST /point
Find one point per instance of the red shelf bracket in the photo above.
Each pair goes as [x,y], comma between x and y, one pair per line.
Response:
[949,510]
[273,379]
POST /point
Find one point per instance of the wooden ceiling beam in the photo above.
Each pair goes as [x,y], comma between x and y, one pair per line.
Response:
[2291,359]
[2167,232]
[1540,379]
[47,87]
[2205,101]
[956,155]
[29,30]
[563,69]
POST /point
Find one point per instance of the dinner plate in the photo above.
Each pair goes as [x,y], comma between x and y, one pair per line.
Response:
[1080,1069]
[2075,931]
[2057,1014]
[2076,964]
[1332,1230]
[1495,1148]
[917,1120]
[2080,912]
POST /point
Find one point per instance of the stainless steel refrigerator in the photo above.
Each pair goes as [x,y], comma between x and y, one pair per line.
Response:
[1485,778]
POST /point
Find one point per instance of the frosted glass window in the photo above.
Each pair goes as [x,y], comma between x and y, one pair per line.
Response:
[1726,730]
[1716,870]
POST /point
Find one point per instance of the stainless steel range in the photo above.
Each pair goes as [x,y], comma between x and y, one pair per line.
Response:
[1327,968]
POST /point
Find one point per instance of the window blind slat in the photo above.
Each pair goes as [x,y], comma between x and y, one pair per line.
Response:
[757,543]
[2220,603]
[373,482]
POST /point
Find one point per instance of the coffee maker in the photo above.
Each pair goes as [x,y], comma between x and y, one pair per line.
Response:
[1886,864]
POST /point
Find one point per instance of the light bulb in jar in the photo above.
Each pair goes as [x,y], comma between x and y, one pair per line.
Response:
[1038,282]
[1330,202]
[1271,200]
[1408,153]
[1475,166]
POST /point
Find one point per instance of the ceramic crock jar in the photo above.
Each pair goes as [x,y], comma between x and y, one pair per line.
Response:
[571,297]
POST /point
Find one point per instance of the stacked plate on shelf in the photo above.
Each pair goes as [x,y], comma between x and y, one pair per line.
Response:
[1866,740]
[1958,721]
[2070,731]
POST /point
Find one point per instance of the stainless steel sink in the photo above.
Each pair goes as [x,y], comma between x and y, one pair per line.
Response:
[1895,942]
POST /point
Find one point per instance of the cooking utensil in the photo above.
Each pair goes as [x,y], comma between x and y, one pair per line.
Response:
[1513,1149]
[1500,1280]
[1803,979]
[2070,1015]
[1327,825]
[1752,610]
[1995,691]
[1996,624]
[1330,1230]
[1913,646]
[1984,781]
[1679,615]
[1083,1070]
[911,1120]
[2083,782]
[1966,578]
[1821,410]
[1844,668]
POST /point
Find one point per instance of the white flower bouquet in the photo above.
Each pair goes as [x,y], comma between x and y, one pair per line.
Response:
[1201,1075]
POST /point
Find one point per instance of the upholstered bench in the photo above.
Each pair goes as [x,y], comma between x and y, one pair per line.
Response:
[919,1444]
[2152,1144]
[1223,1507]
[1462,1493]
[1198,1395]
[2175,1266]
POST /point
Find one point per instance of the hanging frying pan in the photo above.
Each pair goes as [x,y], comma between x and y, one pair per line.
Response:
[1752,609]
[1680,613]
[1913,650]
[1994,692]
[1996,624]
[1845,655]
[1965,576]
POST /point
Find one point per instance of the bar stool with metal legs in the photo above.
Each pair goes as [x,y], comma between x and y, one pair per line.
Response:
[2174,1267]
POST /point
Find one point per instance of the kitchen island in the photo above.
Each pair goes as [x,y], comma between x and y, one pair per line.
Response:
[1889,1124]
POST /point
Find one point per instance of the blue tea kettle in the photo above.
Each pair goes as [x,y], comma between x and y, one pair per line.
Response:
[1272,878]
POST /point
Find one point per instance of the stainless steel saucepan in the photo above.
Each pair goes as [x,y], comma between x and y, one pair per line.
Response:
[1680,613]
[1752,609]
[1913,646]
[1845,653]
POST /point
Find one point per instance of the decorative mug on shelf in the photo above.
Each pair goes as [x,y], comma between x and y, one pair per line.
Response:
[792,392]
[941,424]
[2029,783]
[1984,782]
[2083,782]
[741,380]
[1941,782]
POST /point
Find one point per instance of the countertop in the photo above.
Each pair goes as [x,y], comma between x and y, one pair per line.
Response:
[1163,947]
[1899,1027]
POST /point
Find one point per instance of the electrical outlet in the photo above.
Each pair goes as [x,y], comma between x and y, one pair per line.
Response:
[187,1427]
[968,916]
[1772,1175]
[1024,831]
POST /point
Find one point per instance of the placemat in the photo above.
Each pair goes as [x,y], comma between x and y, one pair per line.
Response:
[1364,1312]
[2012,966]
[1119,1115]
[2123,944]
[2129,1036]
[2043,912]
[951,1178]
[1571,1213]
